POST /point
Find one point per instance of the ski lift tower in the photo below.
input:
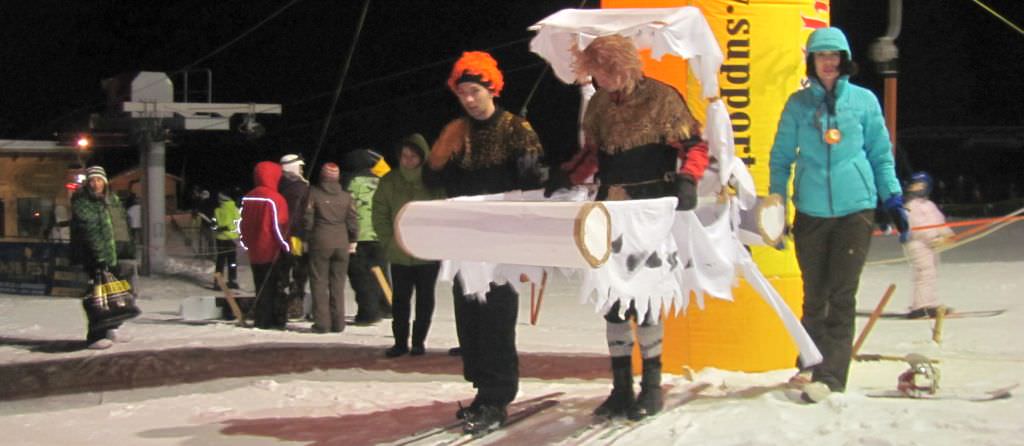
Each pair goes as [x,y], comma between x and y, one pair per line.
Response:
[151,113]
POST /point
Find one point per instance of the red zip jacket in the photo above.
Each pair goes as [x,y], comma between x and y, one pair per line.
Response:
[264,224]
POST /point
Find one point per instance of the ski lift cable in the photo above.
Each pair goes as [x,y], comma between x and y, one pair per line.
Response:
[399,74]
[418,94]
[240,36]
[1000,17]
[337,91]
[540,77]
[186,67]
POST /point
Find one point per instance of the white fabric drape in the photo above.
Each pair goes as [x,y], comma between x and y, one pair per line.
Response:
[662,256]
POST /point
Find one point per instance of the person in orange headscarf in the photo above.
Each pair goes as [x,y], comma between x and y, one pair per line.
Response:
[488,150]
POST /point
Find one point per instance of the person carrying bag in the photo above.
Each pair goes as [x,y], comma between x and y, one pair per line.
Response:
[96,217]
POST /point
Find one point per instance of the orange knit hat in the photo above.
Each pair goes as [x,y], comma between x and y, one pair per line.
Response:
[479,67]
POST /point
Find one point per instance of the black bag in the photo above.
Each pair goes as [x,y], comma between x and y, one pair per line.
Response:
[111,301]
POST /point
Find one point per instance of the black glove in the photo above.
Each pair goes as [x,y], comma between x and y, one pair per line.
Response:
[686,192]
[557,179]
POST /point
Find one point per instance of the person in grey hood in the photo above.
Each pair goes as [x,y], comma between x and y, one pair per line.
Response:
[332,231]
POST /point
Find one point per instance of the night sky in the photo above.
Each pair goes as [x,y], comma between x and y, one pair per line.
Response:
[959,66]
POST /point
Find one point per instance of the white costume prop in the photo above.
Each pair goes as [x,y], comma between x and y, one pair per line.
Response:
[658,255]
[566,234]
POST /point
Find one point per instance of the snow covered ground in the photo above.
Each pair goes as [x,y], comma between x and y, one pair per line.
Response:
[360,398]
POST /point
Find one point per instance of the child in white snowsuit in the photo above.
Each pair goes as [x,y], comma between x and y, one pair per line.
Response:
[920,249]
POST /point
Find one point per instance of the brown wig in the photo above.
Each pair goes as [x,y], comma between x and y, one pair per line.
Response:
[847,67]
[479,67]
[612,54]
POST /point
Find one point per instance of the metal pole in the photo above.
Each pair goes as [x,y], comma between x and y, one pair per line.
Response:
[885,54]
[144,201]
[890,107]
[155,176]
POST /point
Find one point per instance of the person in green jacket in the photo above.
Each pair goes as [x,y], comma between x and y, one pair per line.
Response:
[408,273]
[835,135]
[225,219]
[361,169]
[98,224]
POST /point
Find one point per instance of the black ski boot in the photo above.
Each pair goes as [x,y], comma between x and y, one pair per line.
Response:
[400,330]
[465,411]
[650,400]
[485,419]
[419,337]
[621,398]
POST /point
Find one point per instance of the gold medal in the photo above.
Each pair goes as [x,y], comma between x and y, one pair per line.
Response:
[833,136]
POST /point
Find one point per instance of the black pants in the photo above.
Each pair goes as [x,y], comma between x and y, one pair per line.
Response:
[271,306]
[299,272]
[226,257]
[487,336]
[422,278]
[369,296]
[831,253]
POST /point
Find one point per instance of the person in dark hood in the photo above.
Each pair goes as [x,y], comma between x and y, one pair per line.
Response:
[264,234]
[295,189]
[396,189]
[363,169]
[331,227]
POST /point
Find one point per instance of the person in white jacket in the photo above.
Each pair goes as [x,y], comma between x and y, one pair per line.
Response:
[921,248]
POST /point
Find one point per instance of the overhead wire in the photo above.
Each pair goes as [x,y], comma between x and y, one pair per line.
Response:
[418,94]
[341,84]
[399,74]
[540,77]
[180,70]
[999,16]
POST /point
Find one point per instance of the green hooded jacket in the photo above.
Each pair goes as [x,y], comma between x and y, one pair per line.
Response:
[363,187]
[97,223]
[397,188]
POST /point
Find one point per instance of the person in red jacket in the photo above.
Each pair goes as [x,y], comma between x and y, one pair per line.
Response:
[637,130]
[264,229]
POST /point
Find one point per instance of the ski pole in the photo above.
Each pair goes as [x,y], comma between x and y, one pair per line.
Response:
[871,321]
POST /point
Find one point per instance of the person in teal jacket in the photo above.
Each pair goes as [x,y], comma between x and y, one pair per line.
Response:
[835,135]
[408,273]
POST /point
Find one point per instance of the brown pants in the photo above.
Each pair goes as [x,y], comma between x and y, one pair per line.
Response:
[328,269]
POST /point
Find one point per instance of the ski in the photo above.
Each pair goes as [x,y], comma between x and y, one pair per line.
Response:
[611,429]
[512,419]
[951,394]
[429,434]
[956,314]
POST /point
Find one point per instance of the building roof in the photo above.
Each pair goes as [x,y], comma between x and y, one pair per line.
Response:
[22,147]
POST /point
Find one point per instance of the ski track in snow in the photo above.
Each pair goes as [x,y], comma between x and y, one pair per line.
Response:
[351,406]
